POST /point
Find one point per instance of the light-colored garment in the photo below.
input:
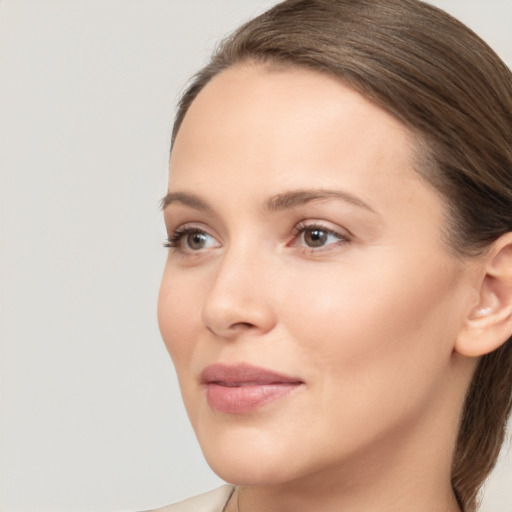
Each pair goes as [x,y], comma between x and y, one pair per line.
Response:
[213,501]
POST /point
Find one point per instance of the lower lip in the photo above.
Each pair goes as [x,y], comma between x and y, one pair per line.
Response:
[242,399]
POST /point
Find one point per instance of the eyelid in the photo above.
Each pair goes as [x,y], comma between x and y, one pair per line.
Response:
[343,235]
[177,234]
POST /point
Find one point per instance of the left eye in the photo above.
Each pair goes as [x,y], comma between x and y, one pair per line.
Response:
[317,236]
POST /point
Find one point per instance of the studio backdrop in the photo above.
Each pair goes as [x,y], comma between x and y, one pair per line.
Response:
[90,413]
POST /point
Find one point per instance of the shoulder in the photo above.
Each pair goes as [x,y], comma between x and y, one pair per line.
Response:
[212,501]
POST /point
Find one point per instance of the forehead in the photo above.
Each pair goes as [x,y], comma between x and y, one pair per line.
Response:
[264,96]
[281,122]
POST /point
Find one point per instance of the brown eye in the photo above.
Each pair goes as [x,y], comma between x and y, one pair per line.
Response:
[319,237]
[196,241]
[188,240]
[315,237]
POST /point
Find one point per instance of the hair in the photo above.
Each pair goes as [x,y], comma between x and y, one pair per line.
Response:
[449,87]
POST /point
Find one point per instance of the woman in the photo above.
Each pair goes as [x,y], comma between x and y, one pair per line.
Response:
[337,298]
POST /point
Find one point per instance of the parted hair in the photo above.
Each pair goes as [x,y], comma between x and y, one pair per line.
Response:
[450,88]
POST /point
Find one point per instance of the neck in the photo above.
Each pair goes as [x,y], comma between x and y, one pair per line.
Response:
[399,495]
[381,490]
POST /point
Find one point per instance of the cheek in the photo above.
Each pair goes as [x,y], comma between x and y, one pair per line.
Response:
[377,346]
[377,324]
[177,317]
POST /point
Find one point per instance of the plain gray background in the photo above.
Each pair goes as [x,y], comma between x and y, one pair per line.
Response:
[91,417]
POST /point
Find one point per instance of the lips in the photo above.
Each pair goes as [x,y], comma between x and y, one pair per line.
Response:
[244,388]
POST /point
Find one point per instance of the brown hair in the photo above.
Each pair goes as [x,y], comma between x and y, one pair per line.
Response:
[441,80]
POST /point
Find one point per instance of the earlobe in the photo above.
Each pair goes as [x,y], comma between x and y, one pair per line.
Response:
[489,323]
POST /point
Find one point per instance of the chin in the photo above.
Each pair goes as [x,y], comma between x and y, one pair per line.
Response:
[249,472]
[247,457]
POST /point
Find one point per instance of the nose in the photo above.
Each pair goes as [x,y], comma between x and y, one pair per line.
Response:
[240,297]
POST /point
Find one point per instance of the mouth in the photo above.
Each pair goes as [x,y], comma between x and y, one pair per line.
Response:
[242,388]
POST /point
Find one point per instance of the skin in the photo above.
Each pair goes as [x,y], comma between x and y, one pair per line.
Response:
[367,320]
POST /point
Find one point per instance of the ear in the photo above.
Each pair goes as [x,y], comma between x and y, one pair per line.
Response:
[489,324]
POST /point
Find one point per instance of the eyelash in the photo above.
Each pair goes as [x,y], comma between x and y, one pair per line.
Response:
[173,242]
[302,228]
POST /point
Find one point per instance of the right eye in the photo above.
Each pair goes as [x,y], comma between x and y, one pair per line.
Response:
[191,239]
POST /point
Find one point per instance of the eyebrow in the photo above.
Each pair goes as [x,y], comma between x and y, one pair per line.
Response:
[190,200]
[279,202]
[292,199]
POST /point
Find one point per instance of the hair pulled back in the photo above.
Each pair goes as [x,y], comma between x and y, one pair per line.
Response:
[441,80]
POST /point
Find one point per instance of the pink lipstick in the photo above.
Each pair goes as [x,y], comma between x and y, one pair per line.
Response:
[243,388]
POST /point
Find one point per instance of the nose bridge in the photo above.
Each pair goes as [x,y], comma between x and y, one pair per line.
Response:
[239,297]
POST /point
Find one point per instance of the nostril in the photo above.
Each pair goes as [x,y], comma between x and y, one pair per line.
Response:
[238,326]
[229,312]
[242,325]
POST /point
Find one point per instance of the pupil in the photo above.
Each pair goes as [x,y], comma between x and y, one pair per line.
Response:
[315,238]
[196,240]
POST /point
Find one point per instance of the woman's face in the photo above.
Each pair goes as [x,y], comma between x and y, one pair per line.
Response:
[308,302]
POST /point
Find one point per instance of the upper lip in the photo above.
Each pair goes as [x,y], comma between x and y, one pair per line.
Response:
[244,374]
